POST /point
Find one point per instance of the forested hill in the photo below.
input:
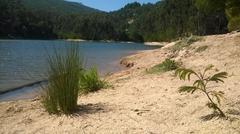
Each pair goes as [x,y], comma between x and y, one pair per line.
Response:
[164,21]
[57,6]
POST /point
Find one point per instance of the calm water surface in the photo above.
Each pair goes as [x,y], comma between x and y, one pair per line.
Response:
[24,61]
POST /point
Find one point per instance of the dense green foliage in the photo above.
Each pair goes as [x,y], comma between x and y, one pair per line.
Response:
[166,65]
[202,84]
[90,81]
[17,22]
[170,19]
[163,21]
[231,7]
[65,71]
[57,6]
[233,14]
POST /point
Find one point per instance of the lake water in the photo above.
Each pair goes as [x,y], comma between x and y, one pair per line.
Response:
[24,61]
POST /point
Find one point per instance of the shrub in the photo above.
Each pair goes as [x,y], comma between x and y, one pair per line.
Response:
[234,24]
[65,70]
[201,49]
[185,42]
[201,84]
[167,65]
[90,81]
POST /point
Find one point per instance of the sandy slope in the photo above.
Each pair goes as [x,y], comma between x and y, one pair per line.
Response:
[144,103]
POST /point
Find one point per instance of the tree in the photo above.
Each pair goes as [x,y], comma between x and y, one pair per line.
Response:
[231,7]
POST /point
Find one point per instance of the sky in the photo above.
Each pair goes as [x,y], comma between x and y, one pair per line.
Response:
[110,5]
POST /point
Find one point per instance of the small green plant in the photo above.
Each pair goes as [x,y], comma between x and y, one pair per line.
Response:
[201,84]
[234,23]
[201,49]
[90,81]
[185,42]
[65,70]
[167,65]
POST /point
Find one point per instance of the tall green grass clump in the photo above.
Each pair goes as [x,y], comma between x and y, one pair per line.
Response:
[90,81]
[65,70]
[166,65]
[202,83]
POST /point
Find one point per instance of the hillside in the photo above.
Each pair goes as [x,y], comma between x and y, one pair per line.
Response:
[58,6]
[163,21]
[145,103]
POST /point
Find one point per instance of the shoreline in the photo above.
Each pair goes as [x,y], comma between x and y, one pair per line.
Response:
[22,86]
[161,44]
[144,103]
[156,44]
[105,68]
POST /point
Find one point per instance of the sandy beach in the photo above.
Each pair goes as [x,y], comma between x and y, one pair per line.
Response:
[144,103]
[156,43]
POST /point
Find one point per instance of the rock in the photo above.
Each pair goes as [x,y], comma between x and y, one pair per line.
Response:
[130,65]
[127,63]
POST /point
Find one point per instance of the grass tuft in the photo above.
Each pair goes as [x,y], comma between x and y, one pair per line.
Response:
[65,70]
[185,42]
[167,65]
[91,82]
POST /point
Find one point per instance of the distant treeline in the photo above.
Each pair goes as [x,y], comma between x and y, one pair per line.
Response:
[164,21]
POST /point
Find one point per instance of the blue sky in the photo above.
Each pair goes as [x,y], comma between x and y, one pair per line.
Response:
[110,5]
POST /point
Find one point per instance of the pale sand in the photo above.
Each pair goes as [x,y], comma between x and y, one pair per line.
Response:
[155,43]
[144,103]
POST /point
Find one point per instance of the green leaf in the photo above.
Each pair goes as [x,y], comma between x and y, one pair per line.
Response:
[209,67]
[218,77]
[199,84]
[218,99]
[218,95]
[211,105]
[187,89]
[184,74]
[221,93]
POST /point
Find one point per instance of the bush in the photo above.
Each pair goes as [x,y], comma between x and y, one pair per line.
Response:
[201,84]
[185,42]
[234,24]
[65,70]
[167,65]
[90,81]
